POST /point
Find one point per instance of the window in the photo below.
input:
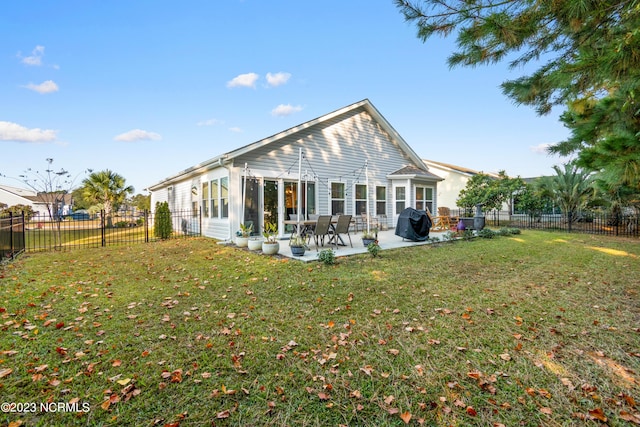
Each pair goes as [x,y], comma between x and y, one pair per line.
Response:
[224,197]
[215,204]
[424,198]
[194,200]
[400,199]
[337,198]
[381,200]
[205,196]
[361,199]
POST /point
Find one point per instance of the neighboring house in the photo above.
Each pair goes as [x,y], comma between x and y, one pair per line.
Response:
[349,161]
[455,179]
[12,196]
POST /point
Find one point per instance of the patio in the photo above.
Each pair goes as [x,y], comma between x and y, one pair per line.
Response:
[387,239]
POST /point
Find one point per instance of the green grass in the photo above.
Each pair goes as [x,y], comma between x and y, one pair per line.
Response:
[535,329]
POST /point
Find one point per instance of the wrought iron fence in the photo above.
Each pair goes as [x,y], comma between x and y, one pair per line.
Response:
[625,224]
[40,233]
[11,236]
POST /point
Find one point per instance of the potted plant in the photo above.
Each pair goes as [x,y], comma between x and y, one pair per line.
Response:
[369,237]
[255,243]
[270,246]
[242,235]
[298,245]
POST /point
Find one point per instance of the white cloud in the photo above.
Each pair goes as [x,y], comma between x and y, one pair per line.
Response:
[236,130]
[244,80]
[45,87]
[209,122]
[540,149]
[14,132]
[36,57]
[285,110]
[137,135]
[277,79]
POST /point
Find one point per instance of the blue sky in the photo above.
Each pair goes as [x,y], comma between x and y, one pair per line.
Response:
[148,88]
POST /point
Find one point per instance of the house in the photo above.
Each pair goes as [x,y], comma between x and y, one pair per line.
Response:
[12,196]
[455,178]
[349,161]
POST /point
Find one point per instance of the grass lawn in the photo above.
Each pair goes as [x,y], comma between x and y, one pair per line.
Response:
[538,329]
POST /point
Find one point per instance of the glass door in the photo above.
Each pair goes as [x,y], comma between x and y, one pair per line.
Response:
[270,203]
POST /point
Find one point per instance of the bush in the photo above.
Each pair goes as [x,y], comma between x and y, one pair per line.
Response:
[486,233]
[373,249]
[468,235]
[327,256]
[449,236]
[508,231]
[162,226]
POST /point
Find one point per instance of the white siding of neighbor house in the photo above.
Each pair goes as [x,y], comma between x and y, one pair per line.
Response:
[449,189]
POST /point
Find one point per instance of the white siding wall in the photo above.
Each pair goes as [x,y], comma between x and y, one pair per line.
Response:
[335,151]
[449,189]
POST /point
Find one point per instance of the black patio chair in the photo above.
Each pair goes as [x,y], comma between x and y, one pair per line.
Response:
[321,229]
[342,227]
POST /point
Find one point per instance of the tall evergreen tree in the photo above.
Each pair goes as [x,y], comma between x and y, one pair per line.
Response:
[589,53]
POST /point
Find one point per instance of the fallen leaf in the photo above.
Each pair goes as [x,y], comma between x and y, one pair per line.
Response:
[598,414]
[4,372]
[406,417]
[546,410]
[124,381]
[472,412]
[223,414]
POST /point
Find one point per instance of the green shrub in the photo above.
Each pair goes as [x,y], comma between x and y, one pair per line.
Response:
[449,236]
[162,226]
[327,256]
[486,233]
[373,249]
[468,235]
[508,231]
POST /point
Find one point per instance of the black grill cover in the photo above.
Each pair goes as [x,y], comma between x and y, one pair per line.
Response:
[413,225]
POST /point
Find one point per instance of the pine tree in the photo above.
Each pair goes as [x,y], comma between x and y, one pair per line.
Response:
[590,56]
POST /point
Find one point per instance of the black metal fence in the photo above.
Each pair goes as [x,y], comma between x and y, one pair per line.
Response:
[39,233]
[625,224]
[11,236]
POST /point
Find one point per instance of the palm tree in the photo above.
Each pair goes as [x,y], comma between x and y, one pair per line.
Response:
[108,189]
[571,188]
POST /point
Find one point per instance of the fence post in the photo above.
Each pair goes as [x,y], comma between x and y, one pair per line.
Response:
[11,250]
[103,236]
[146,226]
[200,222]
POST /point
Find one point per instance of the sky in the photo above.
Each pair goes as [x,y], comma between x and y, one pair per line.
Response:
[148,88]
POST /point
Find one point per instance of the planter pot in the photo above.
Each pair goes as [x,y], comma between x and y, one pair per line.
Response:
[255,244]
[270,248]
[297,250]
[242,242]
[367,242]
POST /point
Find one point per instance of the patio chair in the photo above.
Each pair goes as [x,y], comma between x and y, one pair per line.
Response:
[342,227]
[321,229]
[439,223]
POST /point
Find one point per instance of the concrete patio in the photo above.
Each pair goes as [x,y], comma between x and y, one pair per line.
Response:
[387,239]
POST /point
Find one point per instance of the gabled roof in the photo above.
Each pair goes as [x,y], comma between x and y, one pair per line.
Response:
[459,169]
[413,172]
[227,157]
